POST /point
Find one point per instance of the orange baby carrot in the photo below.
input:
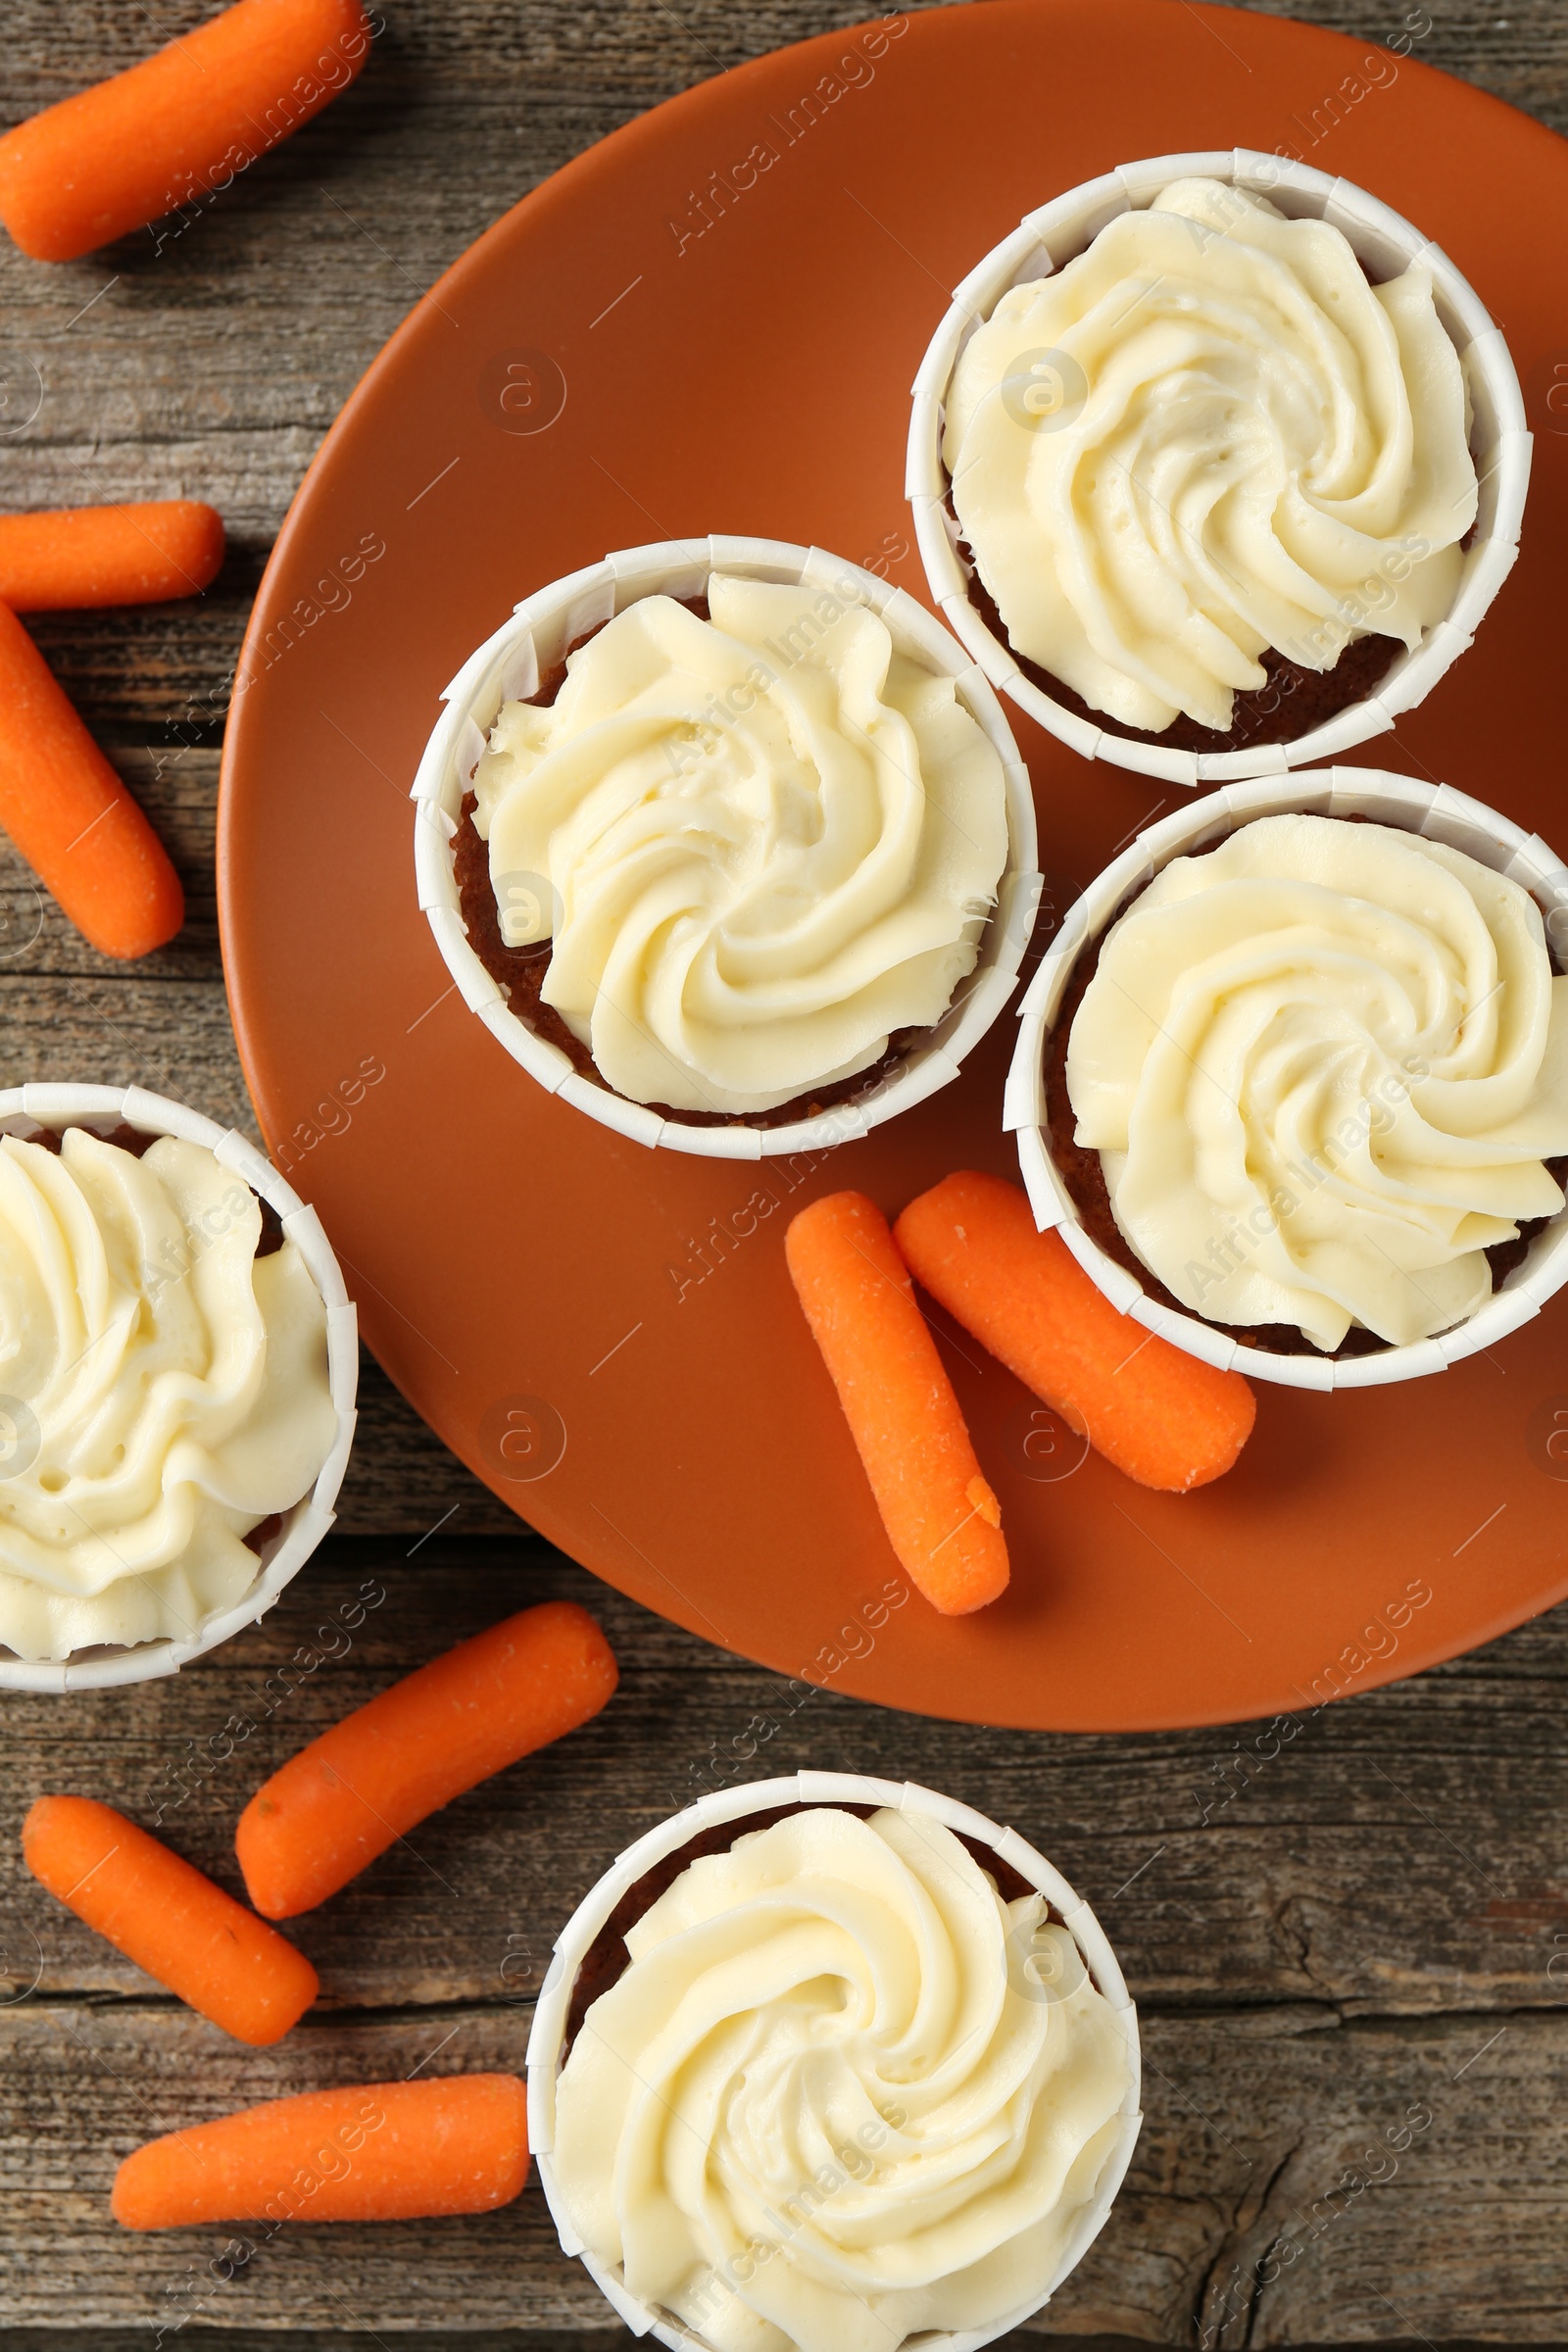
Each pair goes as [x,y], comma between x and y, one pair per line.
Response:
[942,1518]
[168,1918]
[71,817]
[66,560]
[1163,1417]
[178,126]
[376,2152]
[345,1799]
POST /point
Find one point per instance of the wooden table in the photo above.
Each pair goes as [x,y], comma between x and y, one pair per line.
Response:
[1349,1936]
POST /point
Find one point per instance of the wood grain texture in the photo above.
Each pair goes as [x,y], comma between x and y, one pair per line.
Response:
[1367,1935]
[1336,1928]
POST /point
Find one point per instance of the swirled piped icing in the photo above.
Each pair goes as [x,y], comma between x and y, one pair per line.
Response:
[1323,1066]
[841,2092]
[1205,436]
[163,1390]
[761,843]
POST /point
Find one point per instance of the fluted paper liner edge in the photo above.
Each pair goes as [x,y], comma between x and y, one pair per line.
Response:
[538,634]
[1385,243]
[1435,809]
[572,1946]
[307,1521]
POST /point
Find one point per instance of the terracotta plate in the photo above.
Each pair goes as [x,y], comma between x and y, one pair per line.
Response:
[711,322]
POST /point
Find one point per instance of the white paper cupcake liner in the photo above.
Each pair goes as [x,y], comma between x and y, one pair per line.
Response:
[1499,441]
[1435,809]
[548,2032]
[100,1668]
[510,666]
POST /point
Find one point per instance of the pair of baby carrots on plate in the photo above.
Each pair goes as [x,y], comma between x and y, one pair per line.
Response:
[381,2151]
[1163,1417]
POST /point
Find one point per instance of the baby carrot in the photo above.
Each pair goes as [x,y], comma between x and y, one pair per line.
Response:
[71,817]
[1165,1418]
[941,1517]
[345,1799]
[168,1918]
[178,126]
[376,2152]
[66,560]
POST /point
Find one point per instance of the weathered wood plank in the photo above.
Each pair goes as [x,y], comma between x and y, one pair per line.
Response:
[127,1028]
[1299,2180]
[277,295]
[1322,1938]
[244,2338]
[1372,1926]
[1402,1853]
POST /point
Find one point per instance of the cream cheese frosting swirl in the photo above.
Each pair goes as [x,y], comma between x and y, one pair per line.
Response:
[841,2092]
[1323,1066]
[1205,436]
[162,1390]
[761,843]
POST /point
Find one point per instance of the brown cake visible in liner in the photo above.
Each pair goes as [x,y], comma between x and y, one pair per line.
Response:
[519,973]
[1085,1178]
[607,1958]
[1293,702]
[137,1142]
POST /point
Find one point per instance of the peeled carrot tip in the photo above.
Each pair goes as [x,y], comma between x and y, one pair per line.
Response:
[115,880]
[984,1502]
[72,559]
[177,128]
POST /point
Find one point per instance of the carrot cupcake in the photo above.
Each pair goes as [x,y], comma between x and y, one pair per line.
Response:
[736,856]
[836,2076]
[167,1394]
[1311,1084]
[1211,479]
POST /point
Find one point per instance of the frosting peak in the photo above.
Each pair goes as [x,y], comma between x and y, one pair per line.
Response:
[761,843]
[162,1390]
[842,2094]
[1205,436]
[1323,1064]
